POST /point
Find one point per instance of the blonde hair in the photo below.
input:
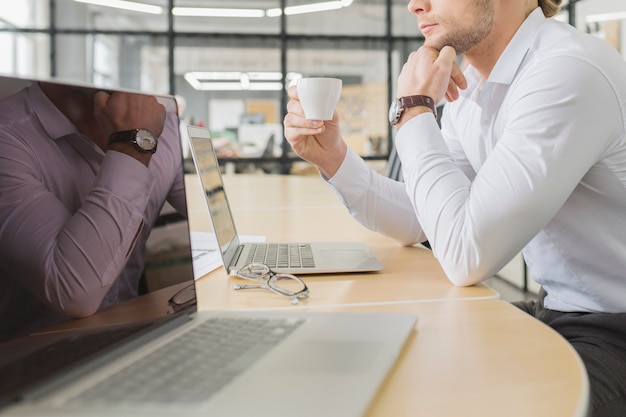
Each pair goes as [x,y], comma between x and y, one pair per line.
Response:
[550,7]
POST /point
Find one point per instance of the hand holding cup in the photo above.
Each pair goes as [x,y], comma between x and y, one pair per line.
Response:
[319,97]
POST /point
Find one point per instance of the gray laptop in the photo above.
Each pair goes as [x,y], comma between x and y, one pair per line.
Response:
[287,257]
[208,363]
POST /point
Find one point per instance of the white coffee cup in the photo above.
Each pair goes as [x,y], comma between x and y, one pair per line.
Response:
[319,97]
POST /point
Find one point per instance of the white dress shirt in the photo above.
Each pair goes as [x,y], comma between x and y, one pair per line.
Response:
[532,159]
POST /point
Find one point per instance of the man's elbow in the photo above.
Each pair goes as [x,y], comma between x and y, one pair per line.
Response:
[76,306]
[464,277]
[80,311]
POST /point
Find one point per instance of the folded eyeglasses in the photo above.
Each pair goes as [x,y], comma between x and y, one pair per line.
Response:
[288,285]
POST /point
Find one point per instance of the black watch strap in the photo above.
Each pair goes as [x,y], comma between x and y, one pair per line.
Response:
[123,136]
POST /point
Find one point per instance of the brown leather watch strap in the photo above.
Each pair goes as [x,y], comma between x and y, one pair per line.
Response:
[412,101]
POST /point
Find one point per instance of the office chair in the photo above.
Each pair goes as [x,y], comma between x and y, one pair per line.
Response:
[394,167]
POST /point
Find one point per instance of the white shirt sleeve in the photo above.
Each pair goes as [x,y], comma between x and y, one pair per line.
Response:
[543,144]
[377,202]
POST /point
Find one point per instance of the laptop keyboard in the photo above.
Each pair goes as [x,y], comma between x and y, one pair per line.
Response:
[193,366]
[282,255]
[48,360]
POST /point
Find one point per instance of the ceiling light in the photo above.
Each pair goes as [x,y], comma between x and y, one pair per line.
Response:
[125,5]
[214,75]
[237,81]
[237,86]
[245,82]
[213,12]
[219,12]
[605,17]
[310,8]
[273,12]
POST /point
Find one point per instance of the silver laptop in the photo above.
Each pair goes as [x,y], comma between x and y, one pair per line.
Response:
[209,363]
[286,257]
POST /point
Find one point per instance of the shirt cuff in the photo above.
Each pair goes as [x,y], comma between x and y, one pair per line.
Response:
[352,179]
[419,137]
[126,178]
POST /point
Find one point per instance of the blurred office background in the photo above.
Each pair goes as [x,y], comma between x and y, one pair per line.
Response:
[228,62]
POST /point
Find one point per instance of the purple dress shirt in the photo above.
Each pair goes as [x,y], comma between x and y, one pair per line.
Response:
[74,220]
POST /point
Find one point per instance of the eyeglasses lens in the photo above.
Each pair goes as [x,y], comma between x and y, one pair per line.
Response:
[287,283]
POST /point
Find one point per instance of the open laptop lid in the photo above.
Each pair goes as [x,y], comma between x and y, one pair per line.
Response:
[329,257]
[167,269]
[208,170]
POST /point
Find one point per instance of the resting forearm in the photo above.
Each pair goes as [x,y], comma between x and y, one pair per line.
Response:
[377,202]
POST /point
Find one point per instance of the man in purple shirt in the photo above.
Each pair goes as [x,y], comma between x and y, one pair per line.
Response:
[81,184]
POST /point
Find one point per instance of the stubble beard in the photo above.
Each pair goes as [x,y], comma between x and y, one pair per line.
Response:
[463,37]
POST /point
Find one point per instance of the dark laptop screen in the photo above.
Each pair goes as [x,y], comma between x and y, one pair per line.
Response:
[208,170]
[33,292]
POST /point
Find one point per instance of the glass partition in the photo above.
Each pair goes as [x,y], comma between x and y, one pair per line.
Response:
[605,19]
[230,60]
[404,22]
[97,15]
[236,90]
[25,54]
[25,14]
[362,66]
[344,17]
[138,62]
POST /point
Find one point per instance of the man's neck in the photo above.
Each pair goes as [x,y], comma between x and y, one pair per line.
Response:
[484,56]
[78,108]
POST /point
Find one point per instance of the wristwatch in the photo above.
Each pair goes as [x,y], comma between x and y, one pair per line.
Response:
[143,139]
[402,103]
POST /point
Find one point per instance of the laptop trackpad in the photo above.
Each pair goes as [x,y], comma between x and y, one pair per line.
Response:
[324,356]
[343,254]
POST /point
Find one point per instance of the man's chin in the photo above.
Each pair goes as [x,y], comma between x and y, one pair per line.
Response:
[434,43]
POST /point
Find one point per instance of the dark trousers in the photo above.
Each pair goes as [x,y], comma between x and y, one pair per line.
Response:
[600,340]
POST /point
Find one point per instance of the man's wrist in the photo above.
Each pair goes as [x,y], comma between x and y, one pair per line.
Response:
[412,112]
[331,165]
[131,150]
[403,104]
[143,139]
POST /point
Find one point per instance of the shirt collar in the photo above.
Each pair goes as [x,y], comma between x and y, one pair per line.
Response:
[513,55]
[511,59]
[54,122]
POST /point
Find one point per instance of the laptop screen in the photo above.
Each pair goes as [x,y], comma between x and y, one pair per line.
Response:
[65,204]
[208,170]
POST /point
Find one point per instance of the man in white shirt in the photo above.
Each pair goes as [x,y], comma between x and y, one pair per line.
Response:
[531,157]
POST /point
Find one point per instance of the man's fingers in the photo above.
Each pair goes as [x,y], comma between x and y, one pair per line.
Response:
[452,93]
[447,54]
[447,58]
[292,91]
[458,77]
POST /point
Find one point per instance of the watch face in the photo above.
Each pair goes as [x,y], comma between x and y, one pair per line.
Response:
[145,140]
[394,111]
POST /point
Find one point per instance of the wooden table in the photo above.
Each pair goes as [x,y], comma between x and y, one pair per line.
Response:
[471,354]
[303,208]
[480,358]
